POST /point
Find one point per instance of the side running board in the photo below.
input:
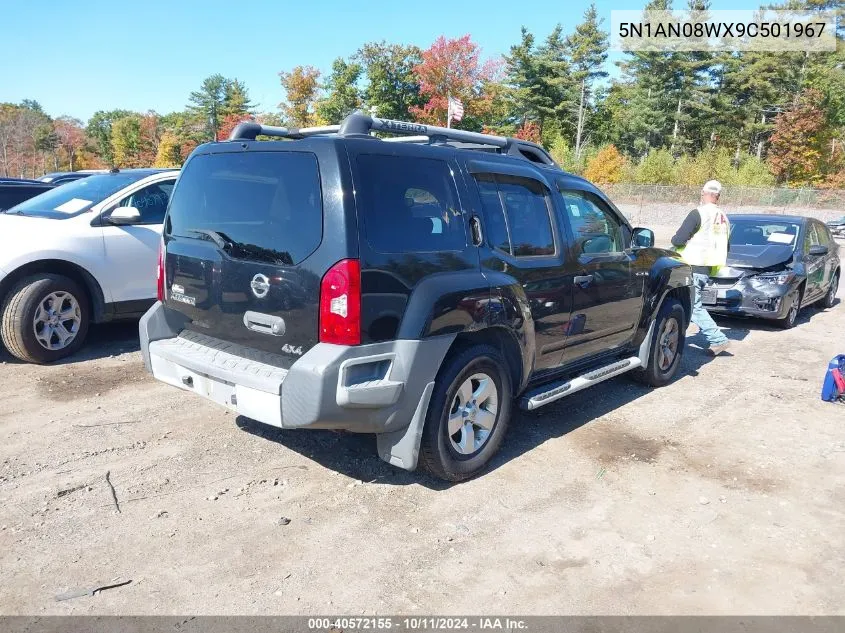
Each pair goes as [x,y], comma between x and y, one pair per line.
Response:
[549,393]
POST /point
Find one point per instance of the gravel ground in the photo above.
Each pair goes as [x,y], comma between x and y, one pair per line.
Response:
[722,493]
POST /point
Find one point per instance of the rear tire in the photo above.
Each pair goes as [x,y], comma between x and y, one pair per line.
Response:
[468,414]
[667,346]
[788,322]
[45,318]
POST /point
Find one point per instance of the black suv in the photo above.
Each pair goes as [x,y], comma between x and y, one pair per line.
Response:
[413,287]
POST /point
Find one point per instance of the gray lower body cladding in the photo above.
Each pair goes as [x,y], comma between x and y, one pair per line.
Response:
[380,388]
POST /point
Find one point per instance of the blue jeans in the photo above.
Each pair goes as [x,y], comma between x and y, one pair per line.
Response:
[701,317]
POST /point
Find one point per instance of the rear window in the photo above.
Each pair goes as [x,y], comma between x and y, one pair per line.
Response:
[268,205]
[10,196]
[409,204]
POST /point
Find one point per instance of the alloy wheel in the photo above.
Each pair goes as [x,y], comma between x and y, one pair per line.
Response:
[57,320]
[667,344]
[792,316]
[473,414]
[830,299]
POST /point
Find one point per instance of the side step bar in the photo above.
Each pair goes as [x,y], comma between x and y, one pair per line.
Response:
[549,393]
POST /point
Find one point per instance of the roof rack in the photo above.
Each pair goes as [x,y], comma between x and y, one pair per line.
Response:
[360,124]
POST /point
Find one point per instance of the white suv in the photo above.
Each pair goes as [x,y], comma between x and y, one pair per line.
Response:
[82,252]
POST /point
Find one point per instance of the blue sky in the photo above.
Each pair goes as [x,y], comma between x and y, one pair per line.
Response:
[79,57]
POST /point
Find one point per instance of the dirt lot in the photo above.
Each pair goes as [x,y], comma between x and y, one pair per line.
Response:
[722,493]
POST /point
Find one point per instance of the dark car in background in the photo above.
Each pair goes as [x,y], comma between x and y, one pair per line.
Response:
[777,264]
[61,177]
[837,227]
[13,191]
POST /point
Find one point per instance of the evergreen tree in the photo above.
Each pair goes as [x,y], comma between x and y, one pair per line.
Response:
[235,99]
[587,48]
[651,107]
[206,104]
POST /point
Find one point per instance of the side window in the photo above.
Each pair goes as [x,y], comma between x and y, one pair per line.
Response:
[822,234]
[495,225]
[810,237]
[151,201]
[409,204]
[597,229]
[517,214]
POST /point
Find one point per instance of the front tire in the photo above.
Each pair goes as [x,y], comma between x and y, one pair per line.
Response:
[830,297]
[788,322]
[667,346]
[468,414]
[45,318]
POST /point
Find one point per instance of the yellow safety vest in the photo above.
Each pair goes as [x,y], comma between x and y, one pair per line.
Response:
[709,245]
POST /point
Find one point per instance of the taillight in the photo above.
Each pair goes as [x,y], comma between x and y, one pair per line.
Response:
[160,272]
[340,304]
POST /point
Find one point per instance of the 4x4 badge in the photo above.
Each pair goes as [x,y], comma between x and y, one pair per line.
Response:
[260,285]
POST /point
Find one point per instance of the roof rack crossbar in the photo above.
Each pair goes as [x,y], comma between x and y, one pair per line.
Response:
[360,124]
[247,131]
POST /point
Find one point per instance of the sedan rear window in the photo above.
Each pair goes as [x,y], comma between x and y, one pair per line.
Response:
[267,205]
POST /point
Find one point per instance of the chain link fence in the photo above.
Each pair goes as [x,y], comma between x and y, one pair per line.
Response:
[663,207]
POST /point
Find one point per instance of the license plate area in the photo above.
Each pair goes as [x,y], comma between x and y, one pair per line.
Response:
[708,296]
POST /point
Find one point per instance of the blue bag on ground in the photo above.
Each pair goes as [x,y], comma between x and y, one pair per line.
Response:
[833,387]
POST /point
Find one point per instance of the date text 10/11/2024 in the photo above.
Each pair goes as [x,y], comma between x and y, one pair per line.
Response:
[416,624]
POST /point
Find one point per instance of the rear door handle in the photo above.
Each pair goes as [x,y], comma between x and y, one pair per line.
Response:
[583,280]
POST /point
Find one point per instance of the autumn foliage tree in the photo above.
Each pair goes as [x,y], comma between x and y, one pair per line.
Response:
[529,131]
[796,151]
[606,167]
[71,137]
[450,67]
[302,88]
[168,154]
[229,122]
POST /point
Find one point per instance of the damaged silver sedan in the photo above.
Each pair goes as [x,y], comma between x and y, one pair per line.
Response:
[777,265]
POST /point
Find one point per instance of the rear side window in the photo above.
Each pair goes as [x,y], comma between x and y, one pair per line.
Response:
[517,215]
[409,204]
[267,204]
[822,234]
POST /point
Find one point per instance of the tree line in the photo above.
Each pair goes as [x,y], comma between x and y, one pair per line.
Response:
[750,118]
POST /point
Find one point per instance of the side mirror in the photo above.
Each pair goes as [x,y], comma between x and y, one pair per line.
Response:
[125,215]
[643,238]
[818,249]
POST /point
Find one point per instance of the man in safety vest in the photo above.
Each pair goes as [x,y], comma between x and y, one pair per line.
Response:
[702,242]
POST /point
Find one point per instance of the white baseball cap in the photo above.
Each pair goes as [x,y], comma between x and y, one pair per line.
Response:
[712,186]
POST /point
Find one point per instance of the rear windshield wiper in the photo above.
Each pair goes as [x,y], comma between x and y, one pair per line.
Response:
[222,240]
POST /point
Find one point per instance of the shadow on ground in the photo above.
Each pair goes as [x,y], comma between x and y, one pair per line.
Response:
[355,455]
[103,340]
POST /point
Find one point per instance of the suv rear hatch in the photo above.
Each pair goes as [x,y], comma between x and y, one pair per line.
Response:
[240,228]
